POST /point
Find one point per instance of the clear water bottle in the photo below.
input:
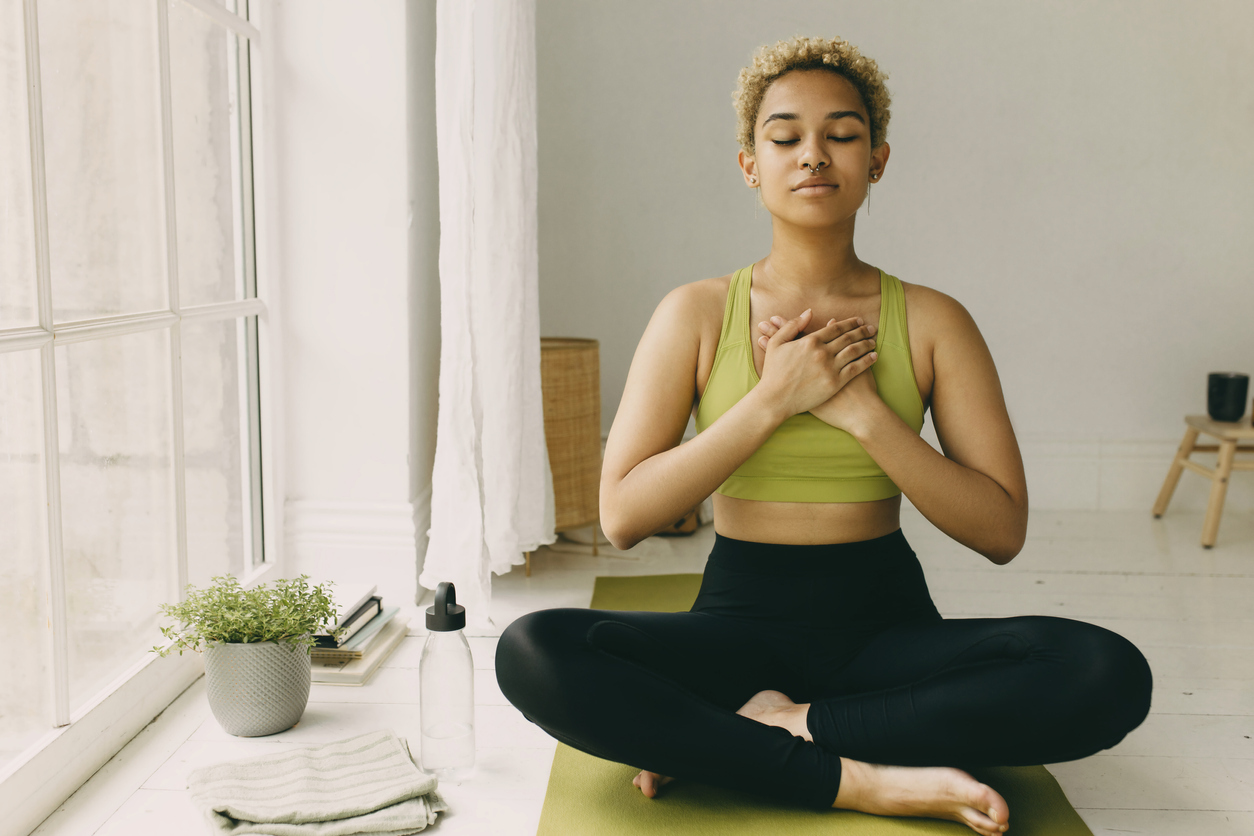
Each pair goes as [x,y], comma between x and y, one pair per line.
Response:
[446,684]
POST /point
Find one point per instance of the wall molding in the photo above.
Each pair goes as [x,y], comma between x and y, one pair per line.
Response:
[370,525]
[1119,475]
[351,542]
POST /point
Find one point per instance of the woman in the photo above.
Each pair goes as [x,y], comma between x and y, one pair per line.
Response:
[813,666]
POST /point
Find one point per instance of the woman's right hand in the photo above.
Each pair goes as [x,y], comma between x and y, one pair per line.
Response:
[803,371]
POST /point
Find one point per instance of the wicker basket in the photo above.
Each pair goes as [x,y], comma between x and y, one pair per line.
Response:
[570,376]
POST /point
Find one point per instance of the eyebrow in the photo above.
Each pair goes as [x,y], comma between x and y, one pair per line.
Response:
[835,114]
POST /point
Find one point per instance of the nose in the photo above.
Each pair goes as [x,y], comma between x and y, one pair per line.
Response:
[813,158]
[813,152]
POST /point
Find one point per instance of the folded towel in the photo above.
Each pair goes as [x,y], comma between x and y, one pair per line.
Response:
[362,785]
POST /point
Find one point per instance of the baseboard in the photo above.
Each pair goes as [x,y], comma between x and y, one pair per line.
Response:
[1105,475]
[364,524]
[354,542]
[35,785]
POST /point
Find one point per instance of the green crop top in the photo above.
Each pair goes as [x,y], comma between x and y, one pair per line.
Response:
[806,459]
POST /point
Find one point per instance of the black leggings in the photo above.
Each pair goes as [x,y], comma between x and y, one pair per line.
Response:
[847,627]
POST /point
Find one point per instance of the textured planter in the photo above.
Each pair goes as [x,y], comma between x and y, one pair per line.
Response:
[259,688]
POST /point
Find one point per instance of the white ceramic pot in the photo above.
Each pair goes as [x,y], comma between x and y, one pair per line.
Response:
[259,688]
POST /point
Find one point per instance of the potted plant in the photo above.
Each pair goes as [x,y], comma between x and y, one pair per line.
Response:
[256,642]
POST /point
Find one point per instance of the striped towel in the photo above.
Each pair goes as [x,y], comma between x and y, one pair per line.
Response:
[366,784]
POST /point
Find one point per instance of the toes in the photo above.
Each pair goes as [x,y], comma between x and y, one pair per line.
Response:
[981,823]
[650,782]
[775,698]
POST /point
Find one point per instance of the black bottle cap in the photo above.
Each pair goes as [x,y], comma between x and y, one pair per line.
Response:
[446,615]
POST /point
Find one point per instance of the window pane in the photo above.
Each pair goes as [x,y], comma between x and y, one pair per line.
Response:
[103,155]
[25,708]
[117,497]
[215,442]
[204,107]
[17,227]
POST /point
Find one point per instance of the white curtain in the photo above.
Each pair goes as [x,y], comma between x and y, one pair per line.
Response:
[492,491]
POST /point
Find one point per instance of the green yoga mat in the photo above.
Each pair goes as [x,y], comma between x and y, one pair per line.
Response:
[589,796]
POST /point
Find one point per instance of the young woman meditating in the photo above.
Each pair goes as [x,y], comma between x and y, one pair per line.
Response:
[813,666]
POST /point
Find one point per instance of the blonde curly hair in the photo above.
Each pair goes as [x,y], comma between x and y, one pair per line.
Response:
[832,54]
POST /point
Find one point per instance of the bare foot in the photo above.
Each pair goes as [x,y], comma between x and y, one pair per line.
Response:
[938,792]
[650,782]
[932,792]
[774,708]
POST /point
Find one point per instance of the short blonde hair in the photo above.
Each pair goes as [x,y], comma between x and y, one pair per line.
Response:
[831,54]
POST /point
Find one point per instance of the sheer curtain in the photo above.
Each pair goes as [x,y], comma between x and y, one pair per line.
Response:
[492,491]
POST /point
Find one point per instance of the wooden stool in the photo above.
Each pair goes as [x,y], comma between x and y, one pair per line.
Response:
[1228,433]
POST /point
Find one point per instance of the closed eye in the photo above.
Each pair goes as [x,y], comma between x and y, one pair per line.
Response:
[836,138]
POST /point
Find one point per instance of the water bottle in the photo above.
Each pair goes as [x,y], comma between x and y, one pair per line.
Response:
[446,685]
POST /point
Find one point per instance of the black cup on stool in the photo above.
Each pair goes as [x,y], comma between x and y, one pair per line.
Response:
[1225,395]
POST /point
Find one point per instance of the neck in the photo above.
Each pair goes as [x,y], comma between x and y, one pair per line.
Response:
[808,262]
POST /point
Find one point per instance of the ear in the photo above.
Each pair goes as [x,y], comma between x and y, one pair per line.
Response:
[749,168]
[879,159]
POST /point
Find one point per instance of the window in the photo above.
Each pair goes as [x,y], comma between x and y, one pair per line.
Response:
[131,338]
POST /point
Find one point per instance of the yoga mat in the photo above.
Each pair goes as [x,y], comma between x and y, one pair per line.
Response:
[594,797]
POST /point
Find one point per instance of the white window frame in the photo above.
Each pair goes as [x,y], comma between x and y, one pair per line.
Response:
[38,780]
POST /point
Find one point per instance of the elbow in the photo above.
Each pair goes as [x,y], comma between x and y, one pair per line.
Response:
[1002,556]
[1011,543]
[615,528]
[618,539]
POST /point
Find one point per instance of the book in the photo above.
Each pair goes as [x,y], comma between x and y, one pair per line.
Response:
[360,643]
[348,599]
[348,627]
[359,671]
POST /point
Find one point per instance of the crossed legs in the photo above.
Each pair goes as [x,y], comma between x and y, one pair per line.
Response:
[681,694]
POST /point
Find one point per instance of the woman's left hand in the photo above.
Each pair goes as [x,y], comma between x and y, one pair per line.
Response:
[855,400]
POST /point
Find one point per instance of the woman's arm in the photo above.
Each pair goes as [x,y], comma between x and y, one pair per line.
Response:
[976,492]
[649,479]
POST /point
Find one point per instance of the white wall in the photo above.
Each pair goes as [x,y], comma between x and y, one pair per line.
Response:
[339,87]
[1079,175]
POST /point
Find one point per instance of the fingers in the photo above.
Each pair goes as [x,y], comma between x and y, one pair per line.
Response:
[791,328]
[836,335]
[839,338]
[852,343]
[769,327]
[857,366]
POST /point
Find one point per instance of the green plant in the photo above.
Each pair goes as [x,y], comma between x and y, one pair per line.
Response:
[225,613]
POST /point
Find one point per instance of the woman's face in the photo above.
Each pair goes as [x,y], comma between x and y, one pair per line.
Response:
[813,118]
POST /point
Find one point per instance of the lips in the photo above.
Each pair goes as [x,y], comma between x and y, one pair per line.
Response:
[817,187]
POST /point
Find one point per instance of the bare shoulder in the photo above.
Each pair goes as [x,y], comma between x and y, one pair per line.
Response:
[933,313]
[934,319]
[709,300]
[658,394]
[696,309]
[701,299]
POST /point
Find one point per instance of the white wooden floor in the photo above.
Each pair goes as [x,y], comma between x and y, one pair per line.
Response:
[1188,770]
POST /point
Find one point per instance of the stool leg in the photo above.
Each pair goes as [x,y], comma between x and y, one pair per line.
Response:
[594,539]
[528,554]
[1218,491]
[1173,473]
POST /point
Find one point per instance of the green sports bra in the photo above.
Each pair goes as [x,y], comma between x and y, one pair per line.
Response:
[806,459]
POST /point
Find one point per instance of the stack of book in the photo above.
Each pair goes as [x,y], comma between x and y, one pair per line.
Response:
[366,633]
